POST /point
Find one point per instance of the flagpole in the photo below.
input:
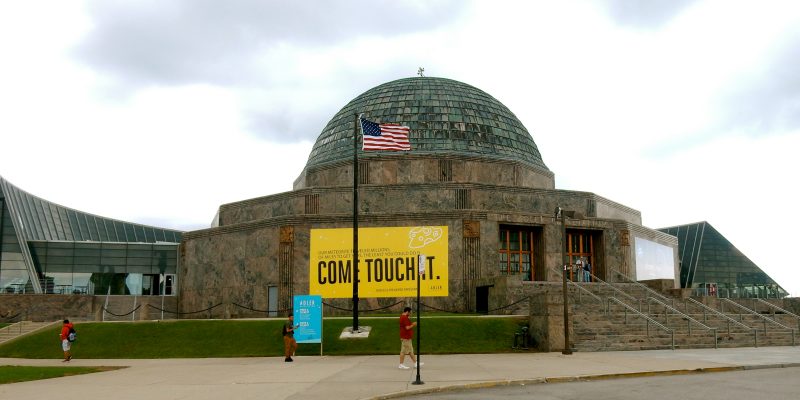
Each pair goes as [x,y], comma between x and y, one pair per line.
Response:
[355,224]
[421,260]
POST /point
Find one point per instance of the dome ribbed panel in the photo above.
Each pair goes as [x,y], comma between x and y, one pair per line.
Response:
[445,117]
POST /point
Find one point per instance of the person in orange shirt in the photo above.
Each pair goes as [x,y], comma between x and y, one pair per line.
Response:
[66,345]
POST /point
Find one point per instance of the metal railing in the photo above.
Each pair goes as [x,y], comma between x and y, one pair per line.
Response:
[652,292]
[774,308]
[728,319]
[763,318]
[581,289]
[647,319]
[617,290]
[682,315]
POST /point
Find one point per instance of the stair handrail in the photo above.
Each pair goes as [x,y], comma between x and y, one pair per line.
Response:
[683,315]
[775,307]
[569,282]
[597,279]
[707,308]
[646,317]
[727,318]
[645,287]
[752,312]
[770,320]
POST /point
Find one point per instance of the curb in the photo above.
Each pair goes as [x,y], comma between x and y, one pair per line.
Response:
[578,378]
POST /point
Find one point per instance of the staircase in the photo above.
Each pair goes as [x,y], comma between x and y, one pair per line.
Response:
[22,328]
[630,316]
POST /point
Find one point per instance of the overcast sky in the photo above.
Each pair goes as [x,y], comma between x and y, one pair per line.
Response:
[158,112]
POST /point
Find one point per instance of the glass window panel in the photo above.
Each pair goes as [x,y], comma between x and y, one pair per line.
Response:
[133,282]
[140,235]
[129,233]
[87,260]
[112,261]
[73,225]
[14,280]
[140,253]
[84,252]
[150,234]
[30,218]
[80,283]
[139,261]
[91,224]
[66,260]
[60,251]
[119,231]
[514,240]
[140,269]
[101,225]
[112,253]
[114,246]
[87,268]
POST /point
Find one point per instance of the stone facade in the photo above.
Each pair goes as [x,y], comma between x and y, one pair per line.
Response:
[235,262]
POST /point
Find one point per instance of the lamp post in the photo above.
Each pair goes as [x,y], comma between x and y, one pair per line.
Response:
[562,214]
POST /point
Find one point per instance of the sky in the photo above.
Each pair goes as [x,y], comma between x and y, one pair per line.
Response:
[158,112]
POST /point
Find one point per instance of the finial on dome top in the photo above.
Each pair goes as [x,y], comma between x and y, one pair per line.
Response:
[421,72]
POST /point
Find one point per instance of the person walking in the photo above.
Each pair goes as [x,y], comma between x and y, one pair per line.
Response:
[406,334]
[66,345]
[289,344]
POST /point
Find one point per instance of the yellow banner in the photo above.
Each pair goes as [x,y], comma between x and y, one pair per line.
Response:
[388,262]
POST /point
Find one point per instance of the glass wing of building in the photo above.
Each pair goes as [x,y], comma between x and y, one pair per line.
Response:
[49,248]
[713,266]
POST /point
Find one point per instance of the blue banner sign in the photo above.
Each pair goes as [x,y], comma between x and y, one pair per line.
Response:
[308,317]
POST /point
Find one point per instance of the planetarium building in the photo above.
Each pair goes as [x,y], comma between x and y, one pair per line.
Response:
[474,175]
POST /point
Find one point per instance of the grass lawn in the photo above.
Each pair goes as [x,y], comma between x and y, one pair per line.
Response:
[17,373]
[4,324]
[260,338]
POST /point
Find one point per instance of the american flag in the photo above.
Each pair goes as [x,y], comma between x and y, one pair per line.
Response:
[384,136]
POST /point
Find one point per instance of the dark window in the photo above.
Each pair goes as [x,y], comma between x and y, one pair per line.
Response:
[517,252]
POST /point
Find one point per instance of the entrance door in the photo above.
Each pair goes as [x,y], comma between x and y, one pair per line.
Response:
[482,299]
[272,301]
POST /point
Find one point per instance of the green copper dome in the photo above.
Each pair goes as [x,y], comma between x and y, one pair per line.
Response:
[445,117]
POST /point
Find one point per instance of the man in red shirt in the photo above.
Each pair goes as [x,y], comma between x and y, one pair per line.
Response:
[66,345]
[406,334]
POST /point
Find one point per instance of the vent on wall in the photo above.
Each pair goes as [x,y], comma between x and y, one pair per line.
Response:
[462,199]
[285,275]
[312,204]
[363,172]
[445,170]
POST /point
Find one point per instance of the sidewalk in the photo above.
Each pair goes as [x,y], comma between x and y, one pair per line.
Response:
[371,377]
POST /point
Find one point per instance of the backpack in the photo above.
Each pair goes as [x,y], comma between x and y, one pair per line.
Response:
[72,335]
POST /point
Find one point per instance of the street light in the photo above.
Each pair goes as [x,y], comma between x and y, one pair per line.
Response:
[561,213]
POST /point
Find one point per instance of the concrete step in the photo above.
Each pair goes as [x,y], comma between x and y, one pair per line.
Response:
[22,328]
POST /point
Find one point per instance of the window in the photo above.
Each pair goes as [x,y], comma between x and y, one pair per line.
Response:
[581,250]
[517,252]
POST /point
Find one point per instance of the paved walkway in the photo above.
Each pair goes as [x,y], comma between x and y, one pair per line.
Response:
[370,377]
